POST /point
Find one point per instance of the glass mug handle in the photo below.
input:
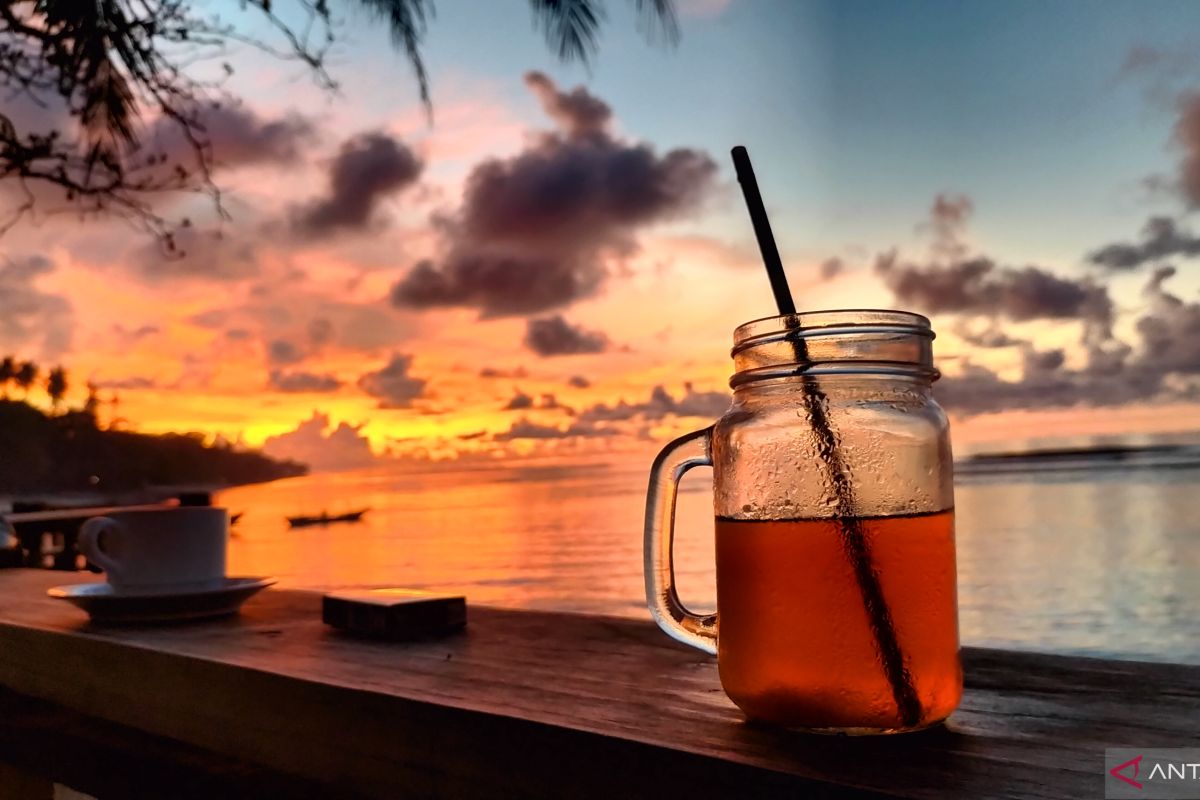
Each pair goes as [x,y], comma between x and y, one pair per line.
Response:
[681,455]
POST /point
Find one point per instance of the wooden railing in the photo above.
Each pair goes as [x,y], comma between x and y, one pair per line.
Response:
[556,705]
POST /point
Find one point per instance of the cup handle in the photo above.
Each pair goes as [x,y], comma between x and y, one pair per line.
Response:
[681,455]
[89,545]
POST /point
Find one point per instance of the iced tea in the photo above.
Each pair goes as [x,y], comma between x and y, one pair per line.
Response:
[795,643]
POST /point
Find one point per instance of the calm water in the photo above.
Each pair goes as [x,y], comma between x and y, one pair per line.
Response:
[1093,562]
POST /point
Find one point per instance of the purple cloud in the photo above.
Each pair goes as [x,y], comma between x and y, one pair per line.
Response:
[554,336]
[368,168]
[533,230]
[392,385]
[299,381]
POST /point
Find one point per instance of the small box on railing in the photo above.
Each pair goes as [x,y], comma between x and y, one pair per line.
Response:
[395,614]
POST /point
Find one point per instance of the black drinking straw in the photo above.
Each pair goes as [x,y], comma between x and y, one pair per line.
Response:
[853,539]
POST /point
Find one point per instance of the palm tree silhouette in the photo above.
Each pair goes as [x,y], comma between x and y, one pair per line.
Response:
[92,405]
[572,27]
[8,370]
[106,63]
[26,374]
[109,61]
[56,386]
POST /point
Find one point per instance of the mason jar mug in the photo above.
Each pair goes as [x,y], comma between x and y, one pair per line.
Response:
[834,505]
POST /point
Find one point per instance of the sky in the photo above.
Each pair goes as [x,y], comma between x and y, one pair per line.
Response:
[555,262]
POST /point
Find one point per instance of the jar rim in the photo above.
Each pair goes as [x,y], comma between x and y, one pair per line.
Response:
[834,317]
[836,342]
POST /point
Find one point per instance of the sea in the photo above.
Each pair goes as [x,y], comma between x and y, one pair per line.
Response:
[1093,554]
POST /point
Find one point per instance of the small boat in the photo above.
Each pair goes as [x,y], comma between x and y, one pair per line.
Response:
[233,518]
[326,519]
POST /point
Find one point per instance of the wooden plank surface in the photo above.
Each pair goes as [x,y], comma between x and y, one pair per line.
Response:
[42,744]
[528,704]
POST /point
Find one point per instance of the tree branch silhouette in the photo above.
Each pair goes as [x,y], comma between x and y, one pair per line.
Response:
[103,66]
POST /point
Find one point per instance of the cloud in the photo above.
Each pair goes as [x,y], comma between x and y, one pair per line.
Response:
[239,136]
[534,230]
[320,332]
[231,135]
[30,318]
[1165,74]
[1170,332]
[131,336]
[282,351]
[368,326]
[1172,63]
[1161,238]
[236,136]
[1184,183]
[547,402]
[494,372]
[831,268]
[518,402]
[992,337]
[952,282]
[577,112]
[554,336]
[980,286]
[198,254]
[1042,361]
[1045,382]
[659,405]
[948,217]
[527,429]
[323,448]
[978,390]
[210,318]
[368,168]
[392,385]
[550,402]
[309,318]
[300,381]
[129,382]
[498,284]
[1114,372]
[1187,135]
[578,382]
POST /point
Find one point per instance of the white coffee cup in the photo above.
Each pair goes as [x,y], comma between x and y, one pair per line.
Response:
[150,550]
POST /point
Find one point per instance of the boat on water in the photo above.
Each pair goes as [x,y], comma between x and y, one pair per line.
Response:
[326,519]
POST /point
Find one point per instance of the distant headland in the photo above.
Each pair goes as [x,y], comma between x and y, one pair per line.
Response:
[68,451]
[1094,457]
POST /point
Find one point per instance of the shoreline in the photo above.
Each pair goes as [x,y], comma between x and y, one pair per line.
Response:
[72,498]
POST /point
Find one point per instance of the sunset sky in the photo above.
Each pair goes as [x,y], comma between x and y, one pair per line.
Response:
[557,261]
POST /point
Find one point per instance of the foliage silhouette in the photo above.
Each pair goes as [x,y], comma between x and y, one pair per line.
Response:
[69,452]
[25,376]
[104,65]
[8,370]
[56,386]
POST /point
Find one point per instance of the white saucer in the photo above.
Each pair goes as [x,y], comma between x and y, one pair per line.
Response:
[105,604]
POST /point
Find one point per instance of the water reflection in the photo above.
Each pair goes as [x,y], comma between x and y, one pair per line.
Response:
[1100,563]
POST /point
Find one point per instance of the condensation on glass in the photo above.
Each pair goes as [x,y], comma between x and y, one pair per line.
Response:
[833,498]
